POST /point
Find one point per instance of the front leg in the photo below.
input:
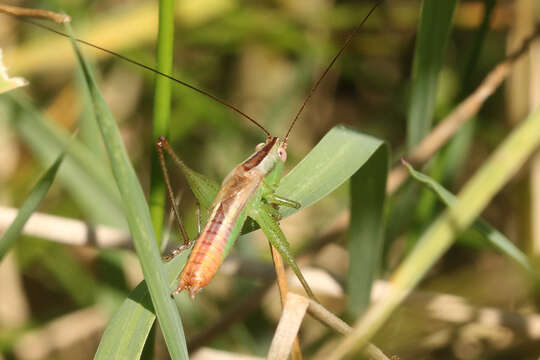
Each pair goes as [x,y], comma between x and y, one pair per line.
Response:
[275,199]
[269,194]
[177,251]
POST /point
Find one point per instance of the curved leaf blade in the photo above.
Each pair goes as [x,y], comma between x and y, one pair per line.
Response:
[476,194]
[85,175]
[140,224]
[433,32]
[492,236]
[29,206]
[126,332]
[339,154]
[345,154]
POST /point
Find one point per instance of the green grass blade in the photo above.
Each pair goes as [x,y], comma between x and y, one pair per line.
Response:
[140,224]
[89,133]
[339,154]
[342,154]
[476,194]
[128,329]
[72,275]
[162,110]
[29,206]
[433,32]
[86,176]
[490,234]
[365,237]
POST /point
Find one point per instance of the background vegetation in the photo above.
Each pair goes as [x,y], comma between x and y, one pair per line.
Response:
[394,82]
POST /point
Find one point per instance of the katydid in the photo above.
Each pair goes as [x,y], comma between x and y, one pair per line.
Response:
[248,190]
[237,199]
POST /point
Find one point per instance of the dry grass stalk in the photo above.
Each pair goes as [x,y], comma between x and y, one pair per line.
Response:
[67,231]
[285,336]
[469,107]
[35,13]
[14,307]
[211,354]
[283,293]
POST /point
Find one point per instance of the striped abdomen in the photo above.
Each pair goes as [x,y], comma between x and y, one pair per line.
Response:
[207,254]
[216,237]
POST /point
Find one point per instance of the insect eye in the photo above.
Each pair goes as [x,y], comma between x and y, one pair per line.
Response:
[259,147]
[282,155]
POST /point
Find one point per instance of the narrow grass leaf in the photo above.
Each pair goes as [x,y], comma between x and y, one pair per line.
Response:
[337,157]
[72,275]
[490,234]
[29,206]
[365,238]
[85,175]
[128,329]
[476,194]
[162,110]
[88,128]
[341,155]
[433,32]
[139,221]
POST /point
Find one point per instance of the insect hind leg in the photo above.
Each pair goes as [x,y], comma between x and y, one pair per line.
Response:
[177,251]
[160,144]
[269,194]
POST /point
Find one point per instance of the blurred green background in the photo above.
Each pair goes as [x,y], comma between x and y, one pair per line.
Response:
[263,57]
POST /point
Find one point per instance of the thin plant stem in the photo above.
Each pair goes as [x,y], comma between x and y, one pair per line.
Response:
[162,110]
[162,113]
[296,352]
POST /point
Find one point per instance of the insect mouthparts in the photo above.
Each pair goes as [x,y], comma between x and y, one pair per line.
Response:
[161,141]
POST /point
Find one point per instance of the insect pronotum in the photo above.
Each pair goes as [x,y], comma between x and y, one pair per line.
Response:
[228,212]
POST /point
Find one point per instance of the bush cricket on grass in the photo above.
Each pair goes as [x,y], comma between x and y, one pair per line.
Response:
[247,191]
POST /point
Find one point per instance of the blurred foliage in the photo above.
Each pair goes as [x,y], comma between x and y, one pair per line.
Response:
[261,56]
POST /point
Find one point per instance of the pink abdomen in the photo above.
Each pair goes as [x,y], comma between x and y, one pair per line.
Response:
[206,256]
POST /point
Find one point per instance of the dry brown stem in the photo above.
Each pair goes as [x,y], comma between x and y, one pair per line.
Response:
[294,311]
[296,351]
[285,338]
[461,114]
[67,231]
[35,13]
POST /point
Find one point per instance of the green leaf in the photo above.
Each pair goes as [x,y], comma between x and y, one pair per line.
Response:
[341,155]
[491,235]
[140,224]
[162,109]
[85,175]
[128,329]
[29,206]
[474,197]
[433,32]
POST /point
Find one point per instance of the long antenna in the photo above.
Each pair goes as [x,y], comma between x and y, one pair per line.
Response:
[316,85]
[134,62]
